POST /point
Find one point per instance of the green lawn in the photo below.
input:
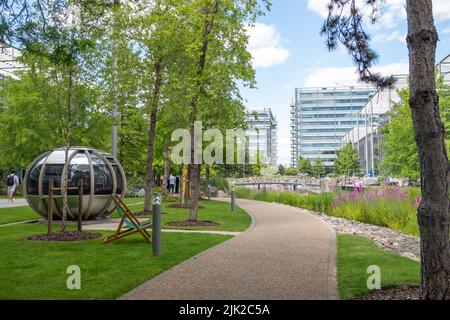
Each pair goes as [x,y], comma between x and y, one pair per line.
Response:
[356,254]
[17,214]
[214,210]
[37,270]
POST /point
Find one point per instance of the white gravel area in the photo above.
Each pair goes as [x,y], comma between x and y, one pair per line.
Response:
[392,241]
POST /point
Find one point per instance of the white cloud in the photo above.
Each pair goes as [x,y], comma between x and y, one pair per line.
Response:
[396,35]
[321,7]
[446,30]
[265,45]
[328,77]
[441,9]
[392,11]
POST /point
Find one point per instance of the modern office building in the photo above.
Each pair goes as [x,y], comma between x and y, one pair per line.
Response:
[262,135]
[444,69]
[8,65]
[321,117]
[367,139]
[8,61]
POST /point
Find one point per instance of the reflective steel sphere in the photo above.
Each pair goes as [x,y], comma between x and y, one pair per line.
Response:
[102,176]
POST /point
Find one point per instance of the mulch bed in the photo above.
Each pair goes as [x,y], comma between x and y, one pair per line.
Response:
[395,293]
[64,236]
[193,224]
[179,206]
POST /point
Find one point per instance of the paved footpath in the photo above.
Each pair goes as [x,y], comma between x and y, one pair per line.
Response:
[17,203]
[286,254]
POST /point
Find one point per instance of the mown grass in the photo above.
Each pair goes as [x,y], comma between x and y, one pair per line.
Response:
[17,214]
[37,270]
[356,254]
[216,211]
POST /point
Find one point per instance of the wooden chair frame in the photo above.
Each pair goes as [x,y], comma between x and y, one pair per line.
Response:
[129,224]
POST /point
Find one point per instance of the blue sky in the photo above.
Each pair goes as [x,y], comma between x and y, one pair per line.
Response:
[288,53]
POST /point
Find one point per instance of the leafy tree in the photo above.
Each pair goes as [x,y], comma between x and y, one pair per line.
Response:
[318,167]
[218,58]
[401,157]
[281,170]
[55,40]
[291,171]
[33,116]
[347,161]
[304,166]
[400,149]
[345,25]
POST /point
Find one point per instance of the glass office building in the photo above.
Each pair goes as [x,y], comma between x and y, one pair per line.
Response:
[321,117]
[262,135]
[444,69]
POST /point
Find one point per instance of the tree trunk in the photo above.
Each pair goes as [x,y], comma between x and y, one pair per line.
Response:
[194,169]
[194,178]
[433,213]
[64,179]
[184,187]
[151,135]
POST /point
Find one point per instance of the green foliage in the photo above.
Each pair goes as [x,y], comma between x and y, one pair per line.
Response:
[396,215]
[355,254]
[399,145]
[347,161]
[400,215]
[318,167]
[304,166]
[316,202]
[281,170]
[215,181]
[290,171]
[34,117]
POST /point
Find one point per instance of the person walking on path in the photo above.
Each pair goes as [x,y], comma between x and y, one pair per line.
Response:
[172,181]
[12,182]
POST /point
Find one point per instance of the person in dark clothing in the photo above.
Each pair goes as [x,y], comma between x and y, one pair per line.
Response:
[177,185]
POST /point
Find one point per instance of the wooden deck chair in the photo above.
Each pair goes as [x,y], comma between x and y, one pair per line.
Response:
[129,224]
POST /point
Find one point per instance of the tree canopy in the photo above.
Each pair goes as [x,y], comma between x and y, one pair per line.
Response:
[347,161]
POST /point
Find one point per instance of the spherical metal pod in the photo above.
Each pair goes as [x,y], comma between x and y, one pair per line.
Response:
[102,176]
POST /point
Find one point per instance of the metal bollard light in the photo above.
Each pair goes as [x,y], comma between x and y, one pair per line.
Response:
[156,225]
[233,199]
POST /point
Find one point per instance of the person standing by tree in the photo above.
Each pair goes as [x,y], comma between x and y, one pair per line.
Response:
[12,182]
[172,181]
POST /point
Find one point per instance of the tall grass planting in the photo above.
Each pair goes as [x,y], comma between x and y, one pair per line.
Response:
[315,202]
[391,207]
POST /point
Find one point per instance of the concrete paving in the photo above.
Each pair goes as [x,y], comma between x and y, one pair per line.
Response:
[286,254]
[17,203]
